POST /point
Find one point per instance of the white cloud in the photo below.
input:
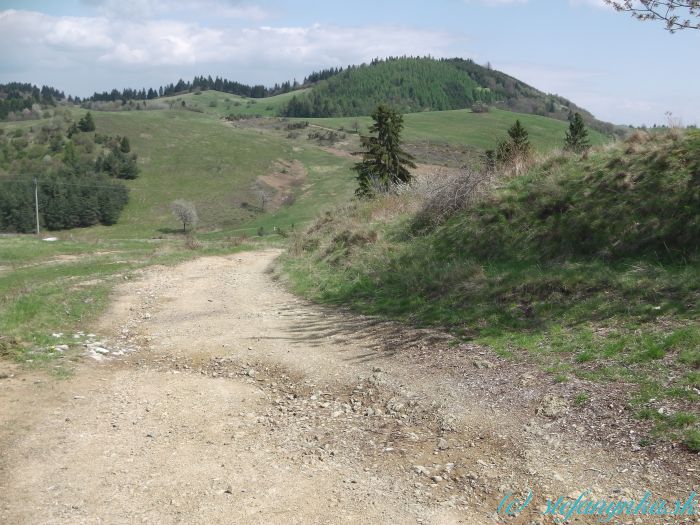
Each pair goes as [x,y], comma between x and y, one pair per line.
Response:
[145,9]
[133,45]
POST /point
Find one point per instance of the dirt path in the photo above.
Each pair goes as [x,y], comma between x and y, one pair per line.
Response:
[245,404]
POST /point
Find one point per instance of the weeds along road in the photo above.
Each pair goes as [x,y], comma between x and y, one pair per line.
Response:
[244,404]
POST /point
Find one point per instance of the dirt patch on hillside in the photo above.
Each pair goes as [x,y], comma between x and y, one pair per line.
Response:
[281,183]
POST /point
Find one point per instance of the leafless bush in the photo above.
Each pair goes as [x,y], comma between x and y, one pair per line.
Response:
[445,194]
[192,243]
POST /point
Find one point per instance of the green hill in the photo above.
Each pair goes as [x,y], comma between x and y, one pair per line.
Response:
[199,157]
[412,85]
[408,85]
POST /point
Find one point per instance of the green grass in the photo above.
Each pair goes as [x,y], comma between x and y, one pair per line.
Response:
[462,127]
[224,104]
[62,286]
[193,156]
[581,290]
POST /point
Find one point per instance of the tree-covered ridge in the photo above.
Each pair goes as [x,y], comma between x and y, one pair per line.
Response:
[74,169]
[200,83]
[412,85]
[18,99]
[406,84]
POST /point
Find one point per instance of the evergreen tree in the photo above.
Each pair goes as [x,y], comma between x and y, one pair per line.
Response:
[384,162]
[516,149]
[87,123]
[577,137]
[519,139]
[124,145]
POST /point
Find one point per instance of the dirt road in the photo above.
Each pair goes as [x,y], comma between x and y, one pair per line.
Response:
[244,404]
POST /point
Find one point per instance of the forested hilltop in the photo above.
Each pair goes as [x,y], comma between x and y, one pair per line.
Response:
[412,85]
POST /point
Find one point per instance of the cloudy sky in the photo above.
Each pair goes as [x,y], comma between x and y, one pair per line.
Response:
[622,70]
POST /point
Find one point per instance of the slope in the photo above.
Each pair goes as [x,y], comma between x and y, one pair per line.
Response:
[465,128]
[588,267]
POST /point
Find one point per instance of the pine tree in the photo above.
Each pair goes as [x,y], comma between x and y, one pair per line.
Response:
[577,137]
[384,162]
[124,145]
[519,139]
[87,123]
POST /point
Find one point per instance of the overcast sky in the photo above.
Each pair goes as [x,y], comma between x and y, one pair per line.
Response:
[622,70]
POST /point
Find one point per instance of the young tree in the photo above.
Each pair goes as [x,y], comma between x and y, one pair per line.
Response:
[676,14]
[384,162]
[87,123]
[185,212]
[519,139]
[517,150]
[577,137]
[124,145]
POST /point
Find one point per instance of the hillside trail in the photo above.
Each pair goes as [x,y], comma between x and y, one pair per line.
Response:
[245,404]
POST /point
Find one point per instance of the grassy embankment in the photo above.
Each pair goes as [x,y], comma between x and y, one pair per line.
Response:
[588,267]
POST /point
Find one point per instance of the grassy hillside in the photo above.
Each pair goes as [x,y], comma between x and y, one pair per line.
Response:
[224,104]
[590,268]
[463,127]
[199,157]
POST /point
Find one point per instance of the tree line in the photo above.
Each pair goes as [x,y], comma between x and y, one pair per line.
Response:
[15,97]
[200,83]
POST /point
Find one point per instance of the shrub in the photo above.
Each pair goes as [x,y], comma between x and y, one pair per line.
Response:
[447,194]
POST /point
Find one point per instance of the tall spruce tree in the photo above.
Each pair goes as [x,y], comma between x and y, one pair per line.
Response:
[577,137]
[384,162]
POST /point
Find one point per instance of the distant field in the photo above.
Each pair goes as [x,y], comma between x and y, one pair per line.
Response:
[480,130]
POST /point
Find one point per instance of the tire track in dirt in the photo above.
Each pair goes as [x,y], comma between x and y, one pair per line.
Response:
[245,404]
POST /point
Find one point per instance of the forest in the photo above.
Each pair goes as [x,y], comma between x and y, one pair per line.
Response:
[74,171]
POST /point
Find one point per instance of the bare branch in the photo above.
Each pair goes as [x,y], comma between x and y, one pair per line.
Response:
[676,14]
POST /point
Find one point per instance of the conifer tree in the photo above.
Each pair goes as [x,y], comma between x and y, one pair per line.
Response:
[577,137]
[519,139]
[87,123]
[124,145]
[384,162]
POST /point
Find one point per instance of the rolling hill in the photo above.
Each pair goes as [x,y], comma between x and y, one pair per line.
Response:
[413,85]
